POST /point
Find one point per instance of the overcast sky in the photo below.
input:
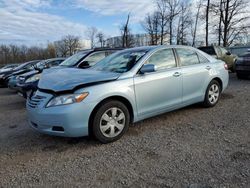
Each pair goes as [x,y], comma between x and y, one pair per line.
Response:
[35,22]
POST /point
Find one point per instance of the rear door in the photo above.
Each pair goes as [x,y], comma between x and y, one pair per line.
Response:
[160,90]
[195,73]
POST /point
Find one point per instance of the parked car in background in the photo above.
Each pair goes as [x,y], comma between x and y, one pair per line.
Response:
[126,87]
[222,54]
[242,66]
[27,82]
[25,67]
[8,67]
[83,59]
[87,58]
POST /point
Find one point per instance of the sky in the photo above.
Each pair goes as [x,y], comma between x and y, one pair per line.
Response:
[36,22]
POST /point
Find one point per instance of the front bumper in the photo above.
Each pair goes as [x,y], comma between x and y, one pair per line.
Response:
[67,120]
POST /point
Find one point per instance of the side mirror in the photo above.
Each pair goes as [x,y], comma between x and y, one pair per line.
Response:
[146,68]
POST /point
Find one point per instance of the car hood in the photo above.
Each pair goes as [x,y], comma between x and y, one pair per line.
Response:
[22,71]
[68,79]
[5,70]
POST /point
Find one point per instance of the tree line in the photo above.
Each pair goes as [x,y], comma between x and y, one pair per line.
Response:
[67,46]
[179,21]
[182,22]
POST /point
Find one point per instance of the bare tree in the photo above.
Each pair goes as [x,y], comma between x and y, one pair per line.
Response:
[100,37]
[194,30]
[173,10]
[207,20]
[91,34]
[67,46]
[61,48]
[127,38]
[232,16]
[151,26]
[72,43]
[184,23]
[51,50]
[163,19]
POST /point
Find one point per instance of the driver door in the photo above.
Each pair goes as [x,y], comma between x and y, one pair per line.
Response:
[159,91]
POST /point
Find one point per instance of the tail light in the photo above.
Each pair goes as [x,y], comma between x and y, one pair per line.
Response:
[225,66]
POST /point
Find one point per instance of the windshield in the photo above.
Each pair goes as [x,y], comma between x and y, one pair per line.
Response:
[72,60]
[120,62]
[40,65]
[21,66]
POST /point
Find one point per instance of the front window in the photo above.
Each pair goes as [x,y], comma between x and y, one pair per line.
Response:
[162,59]
[72,60]
[120,62]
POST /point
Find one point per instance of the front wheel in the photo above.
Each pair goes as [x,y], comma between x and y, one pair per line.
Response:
[212,94]
[110,121]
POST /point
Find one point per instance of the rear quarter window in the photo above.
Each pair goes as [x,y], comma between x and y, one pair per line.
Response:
[202,58]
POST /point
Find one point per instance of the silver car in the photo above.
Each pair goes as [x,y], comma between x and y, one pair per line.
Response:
[126,87]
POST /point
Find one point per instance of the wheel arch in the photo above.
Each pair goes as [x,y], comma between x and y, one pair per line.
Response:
[219,81]
[122,99]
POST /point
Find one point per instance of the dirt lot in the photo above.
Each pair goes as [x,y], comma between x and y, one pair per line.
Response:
[192,147]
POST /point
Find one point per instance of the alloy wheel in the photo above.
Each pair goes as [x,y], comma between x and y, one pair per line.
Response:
[213,94]
[112,122]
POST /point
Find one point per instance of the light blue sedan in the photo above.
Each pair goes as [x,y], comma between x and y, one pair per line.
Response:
[126,87]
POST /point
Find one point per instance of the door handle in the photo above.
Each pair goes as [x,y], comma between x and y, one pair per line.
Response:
[176,74]
[208,68]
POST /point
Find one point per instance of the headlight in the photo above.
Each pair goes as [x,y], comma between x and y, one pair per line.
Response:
[67,99]
[33,78]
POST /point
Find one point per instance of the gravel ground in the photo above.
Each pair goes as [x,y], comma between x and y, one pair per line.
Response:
[192,147]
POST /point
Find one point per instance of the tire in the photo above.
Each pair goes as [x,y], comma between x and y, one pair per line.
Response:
[106,126]
[213,93]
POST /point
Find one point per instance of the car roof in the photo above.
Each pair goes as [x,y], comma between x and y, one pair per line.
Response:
[150,48]
[55,59]
[99,49]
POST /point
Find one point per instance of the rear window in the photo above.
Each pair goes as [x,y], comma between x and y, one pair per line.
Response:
[208,50]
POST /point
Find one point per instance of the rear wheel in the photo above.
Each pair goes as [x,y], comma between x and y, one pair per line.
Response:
[110,121]
[212,94]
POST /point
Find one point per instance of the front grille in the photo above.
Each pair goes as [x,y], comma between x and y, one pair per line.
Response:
[35,100]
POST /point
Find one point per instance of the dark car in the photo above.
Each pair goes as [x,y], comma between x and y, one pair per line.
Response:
[242,66]
[83,59]
[29,80]
[25,67]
